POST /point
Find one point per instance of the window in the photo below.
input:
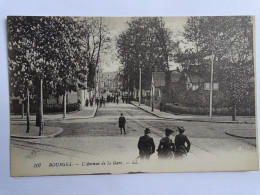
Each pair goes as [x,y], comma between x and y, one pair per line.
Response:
[215,86]
[195,86]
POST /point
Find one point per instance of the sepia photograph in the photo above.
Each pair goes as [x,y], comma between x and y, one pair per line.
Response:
[119,95]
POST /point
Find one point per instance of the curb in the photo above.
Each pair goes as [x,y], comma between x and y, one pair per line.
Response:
[238,136]
[38,137]
[189,120]
[74,118]
[150,112]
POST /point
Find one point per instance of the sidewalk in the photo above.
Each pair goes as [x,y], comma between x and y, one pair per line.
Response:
[19,131]
[18,125]
[244,134]
[199,118]
[85,113]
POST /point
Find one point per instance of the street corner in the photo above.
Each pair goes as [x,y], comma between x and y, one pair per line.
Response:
[242,133]
[19,131]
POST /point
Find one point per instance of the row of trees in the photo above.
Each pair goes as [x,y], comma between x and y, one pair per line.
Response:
[145,44]
[57,51]
[225,42]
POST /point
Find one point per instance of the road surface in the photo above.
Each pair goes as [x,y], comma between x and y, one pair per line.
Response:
[99,138]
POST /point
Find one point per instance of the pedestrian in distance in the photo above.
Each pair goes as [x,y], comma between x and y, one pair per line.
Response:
[166,147]
[182,143]
[122,122]
[146,145]
[97,101]
[123,99]
[117,100]
[101,101]
[91,101]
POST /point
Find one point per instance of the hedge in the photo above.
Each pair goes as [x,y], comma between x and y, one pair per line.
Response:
[50,108]
[205,111]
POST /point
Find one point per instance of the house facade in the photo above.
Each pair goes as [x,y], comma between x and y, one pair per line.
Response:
[74,97]
[159,92]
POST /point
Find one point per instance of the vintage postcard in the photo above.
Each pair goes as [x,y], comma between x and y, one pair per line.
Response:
[113,95]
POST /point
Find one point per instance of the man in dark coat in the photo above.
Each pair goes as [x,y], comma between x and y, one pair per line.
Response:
[146,145]
[122,122]
[97,101]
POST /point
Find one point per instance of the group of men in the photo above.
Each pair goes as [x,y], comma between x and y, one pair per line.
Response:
[167,149]
[114,98]
[102,100]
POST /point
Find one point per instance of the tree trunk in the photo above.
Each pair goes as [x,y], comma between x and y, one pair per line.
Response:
[135,95]
[41,109]
[38,102]
[173,100]
[23,110]
[28,111]
[234,112]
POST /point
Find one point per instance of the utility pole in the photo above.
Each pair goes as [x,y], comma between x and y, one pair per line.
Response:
[140,86]
[64,105]
[128,89]
[211,86]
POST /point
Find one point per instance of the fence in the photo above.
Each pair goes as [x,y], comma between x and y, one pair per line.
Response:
[16,108]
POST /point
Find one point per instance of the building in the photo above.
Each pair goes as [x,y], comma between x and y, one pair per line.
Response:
[158,91]
[78,98]
[108,82]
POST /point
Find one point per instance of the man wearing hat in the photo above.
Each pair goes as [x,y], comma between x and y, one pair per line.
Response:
[166,146]
[121,123]
[180,145]
[146,145]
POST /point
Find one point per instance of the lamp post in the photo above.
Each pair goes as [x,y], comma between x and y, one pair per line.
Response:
[64,104]
[140,86]
[152,96]
[211,86]
[128,90]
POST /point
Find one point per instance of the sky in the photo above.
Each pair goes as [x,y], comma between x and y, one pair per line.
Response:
[117,25]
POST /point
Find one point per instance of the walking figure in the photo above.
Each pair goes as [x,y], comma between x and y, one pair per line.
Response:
[166,146]
[91,101]
[122,122]
[101,101]
[180,140]
[146,145]
[97,101]
[117,100]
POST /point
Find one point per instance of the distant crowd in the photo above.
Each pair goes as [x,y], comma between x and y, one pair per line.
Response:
[101,101]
